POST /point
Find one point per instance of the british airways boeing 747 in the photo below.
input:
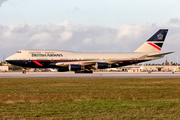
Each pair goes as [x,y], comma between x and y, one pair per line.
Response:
[86,62]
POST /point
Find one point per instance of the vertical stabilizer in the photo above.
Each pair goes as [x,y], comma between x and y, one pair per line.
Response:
[155,43]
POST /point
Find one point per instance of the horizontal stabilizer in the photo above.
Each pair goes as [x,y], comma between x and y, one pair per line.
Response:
[161,54]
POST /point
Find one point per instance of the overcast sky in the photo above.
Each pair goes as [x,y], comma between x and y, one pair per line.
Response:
[87,25]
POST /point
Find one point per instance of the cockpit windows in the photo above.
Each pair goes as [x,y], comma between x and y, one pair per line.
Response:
[18,52]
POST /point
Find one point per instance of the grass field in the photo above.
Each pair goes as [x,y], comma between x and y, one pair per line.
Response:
[90,99]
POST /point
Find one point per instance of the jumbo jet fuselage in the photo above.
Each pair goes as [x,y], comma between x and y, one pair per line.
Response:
[81,62]
[43,58]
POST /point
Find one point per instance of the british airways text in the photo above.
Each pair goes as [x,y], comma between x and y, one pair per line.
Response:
[47,55]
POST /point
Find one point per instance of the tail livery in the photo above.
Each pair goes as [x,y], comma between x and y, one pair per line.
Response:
[155,43]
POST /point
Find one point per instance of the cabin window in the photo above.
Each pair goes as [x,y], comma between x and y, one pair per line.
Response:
[18,52]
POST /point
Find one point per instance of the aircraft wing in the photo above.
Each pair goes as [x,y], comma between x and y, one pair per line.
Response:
[91,63]
[76,63]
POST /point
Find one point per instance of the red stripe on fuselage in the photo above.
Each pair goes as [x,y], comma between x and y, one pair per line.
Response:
[155,46]
[37,63]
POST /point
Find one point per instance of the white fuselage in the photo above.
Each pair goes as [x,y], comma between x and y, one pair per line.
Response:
[65,55]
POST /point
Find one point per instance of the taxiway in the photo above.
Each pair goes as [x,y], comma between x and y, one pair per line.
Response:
[88,75]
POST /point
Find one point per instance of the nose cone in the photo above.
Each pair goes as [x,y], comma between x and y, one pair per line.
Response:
[8,59]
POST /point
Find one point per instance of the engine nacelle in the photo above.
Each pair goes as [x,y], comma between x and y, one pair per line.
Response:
[63,69]
[74,67]
[100,65]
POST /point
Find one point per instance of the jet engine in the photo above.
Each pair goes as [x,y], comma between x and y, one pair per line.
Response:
[74,67]
[101,65]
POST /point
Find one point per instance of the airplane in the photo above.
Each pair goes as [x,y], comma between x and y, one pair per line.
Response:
[87,62]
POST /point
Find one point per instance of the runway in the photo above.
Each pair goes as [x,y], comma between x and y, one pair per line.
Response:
[88,75]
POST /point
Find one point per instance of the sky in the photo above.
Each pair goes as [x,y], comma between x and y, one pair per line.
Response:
[88,25]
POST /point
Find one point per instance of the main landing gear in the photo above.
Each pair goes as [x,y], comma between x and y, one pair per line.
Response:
[84,71]
[24,71]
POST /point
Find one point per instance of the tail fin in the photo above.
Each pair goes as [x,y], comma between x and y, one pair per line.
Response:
[155,43]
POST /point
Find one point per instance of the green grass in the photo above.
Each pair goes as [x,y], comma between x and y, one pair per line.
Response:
[90,99]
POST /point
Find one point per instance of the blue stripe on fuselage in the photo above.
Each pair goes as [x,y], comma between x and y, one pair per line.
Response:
[52,64]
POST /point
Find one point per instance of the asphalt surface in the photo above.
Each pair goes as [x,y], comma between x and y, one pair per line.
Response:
[89,75]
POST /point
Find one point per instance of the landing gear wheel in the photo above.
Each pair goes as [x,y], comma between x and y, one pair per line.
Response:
[24,71]
[77,71]
[84,71]
[89,71]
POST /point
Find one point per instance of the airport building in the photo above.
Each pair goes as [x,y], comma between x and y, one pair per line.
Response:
[150,68]
[144,68]
[4,68]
